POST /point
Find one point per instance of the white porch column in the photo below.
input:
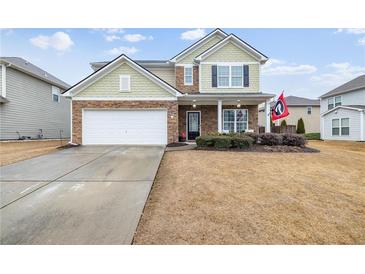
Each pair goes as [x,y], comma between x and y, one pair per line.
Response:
[267,116]
[219,116]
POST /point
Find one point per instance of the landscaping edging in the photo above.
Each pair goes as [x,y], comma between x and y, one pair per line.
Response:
[265,149]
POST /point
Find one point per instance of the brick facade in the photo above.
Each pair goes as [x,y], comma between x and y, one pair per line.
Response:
[209,117]
[171,106]
[179,72]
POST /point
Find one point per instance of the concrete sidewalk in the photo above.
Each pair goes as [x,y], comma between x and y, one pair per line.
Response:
[82,195]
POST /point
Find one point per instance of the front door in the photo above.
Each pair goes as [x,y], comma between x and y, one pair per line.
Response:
[193,124]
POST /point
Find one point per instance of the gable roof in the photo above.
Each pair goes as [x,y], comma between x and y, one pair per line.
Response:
[144,63]
[300,101]
[198,43]
[350,107]
[262,58]
[109,67]
[32,70]
[352,85]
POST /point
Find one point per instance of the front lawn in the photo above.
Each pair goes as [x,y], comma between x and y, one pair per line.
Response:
[215,197]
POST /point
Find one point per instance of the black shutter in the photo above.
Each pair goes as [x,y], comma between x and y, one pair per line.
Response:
[246,76]
[214,76]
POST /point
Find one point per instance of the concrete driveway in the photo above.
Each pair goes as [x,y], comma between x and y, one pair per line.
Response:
[82,195]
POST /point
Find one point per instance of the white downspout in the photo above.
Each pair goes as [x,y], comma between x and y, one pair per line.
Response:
[267,116]
[3,80]
[219,116]
[362,133]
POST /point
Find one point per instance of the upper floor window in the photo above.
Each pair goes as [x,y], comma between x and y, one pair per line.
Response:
[231,76]
[309,110]
[223,76]
[56,94]
[125,83]
[330,103]
[237,76]
[338,101]
[188,75]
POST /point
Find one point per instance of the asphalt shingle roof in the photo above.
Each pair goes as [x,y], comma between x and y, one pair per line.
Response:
[27,67]
[300,101]
[354,84]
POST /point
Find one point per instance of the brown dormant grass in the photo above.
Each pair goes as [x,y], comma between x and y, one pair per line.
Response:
[209,197]
[11,152]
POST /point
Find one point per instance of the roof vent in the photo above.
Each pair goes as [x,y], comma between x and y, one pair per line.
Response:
[26,62]
[45,74]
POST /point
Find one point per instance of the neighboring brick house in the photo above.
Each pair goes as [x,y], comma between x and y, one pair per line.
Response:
[213,85]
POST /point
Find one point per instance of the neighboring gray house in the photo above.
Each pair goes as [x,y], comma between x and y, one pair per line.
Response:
[343,112]
[30,102]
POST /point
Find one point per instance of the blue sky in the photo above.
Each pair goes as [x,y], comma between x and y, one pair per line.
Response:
[303,62]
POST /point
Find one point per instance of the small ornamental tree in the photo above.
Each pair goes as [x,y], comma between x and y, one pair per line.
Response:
[300,126]
[283,123]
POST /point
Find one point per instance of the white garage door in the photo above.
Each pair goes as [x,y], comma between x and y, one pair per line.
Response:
[126,127]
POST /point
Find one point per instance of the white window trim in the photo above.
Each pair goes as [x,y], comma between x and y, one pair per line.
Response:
[192,75]
[56,91]
[229,76]
[339,126]
[235,118]
[124,76]
[334,101]
[311,110]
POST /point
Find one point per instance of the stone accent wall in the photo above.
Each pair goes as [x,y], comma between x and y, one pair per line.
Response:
[209,117]
[179,71]
[171,106]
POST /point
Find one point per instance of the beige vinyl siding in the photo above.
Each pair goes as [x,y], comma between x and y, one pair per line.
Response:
[30,108]
[206,80]
[108,85]
[230,53]
[311,122]
[166,74]
[189,59]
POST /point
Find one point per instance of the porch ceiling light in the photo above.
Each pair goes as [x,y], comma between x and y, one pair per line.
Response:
[238,104]
[194,105]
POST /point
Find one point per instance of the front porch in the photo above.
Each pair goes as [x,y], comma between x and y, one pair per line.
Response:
[201,113]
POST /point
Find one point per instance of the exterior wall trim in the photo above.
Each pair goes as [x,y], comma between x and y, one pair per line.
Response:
[3,80]
[123,99]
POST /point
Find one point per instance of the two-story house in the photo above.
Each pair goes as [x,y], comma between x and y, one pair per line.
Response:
[31,105]
[343,112]
[213,85]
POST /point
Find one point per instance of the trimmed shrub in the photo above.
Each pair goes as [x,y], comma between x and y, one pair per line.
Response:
[283,123]
[252,135]
[204,141]
[293,140]
[222,141]
[242,142]
[313,136]
[270,139]
[300,126]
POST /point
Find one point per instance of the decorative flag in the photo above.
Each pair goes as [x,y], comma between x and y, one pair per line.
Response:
[280,109]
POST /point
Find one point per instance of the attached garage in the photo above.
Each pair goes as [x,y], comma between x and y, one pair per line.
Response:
[124,127]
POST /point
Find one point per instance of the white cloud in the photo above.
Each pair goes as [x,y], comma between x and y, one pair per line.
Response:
[351,31]
[111,38]
[121,50]
[338,74]
[361,41]
[136,37]
[193,34]
[280,67]
[60,41]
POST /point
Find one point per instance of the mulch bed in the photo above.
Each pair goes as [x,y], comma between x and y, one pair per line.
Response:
[177,144]
[261,148]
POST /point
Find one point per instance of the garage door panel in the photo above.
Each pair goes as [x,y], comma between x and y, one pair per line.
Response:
[125,127]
